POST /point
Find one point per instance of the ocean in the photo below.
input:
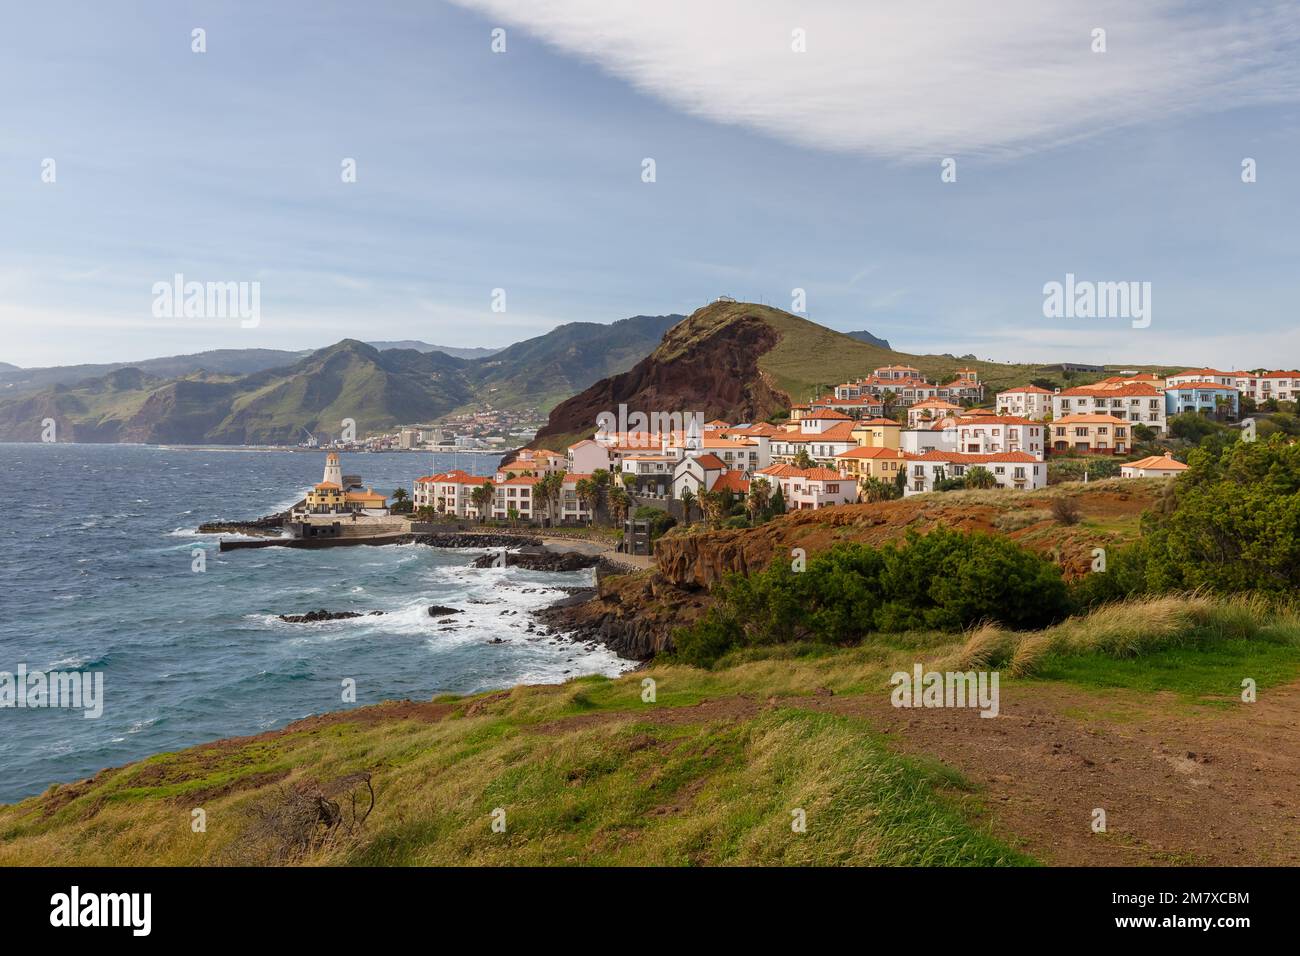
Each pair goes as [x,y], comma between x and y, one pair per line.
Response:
[96,561]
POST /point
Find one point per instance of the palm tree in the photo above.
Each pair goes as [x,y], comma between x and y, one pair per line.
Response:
[887,399]
[399,495]
[803,459]
[588,493]
[687,498]
[482,497]
[712,504]
[980,477]
[756,502]
[601,481]
[619,503]
[550,489]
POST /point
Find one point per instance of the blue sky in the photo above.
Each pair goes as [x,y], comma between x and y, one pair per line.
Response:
[775,170]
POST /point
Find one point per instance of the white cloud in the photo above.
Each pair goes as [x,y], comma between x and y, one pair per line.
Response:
[918,79]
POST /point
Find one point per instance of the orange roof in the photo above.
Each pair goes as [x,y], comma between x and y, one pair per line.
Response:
[1110,389]
[520,480]
[810,474]
[328,486]
[965,458]
[368,495]
[871,453]
[456,477]
[732,481]
[1165,461]
[711,462]
[1027,390]
[996,420]
[1202,371]
[878,421]
[828,415]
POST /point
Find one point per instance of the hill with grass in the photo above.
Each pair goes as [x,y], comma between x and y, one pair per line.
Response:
[744,362]
[784,755]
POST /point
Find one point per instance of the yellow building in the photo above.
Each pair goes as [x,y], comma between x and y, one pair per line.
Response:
[877,433]
[368,499]
[325,498]
[862,463]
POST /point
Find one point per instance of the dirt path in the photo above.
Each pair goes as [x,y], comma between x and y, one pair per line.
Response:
[1180,783]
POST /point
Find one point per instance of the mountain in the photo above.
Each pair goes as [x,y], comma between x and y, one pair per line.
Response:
[316,391]
[17,381]
[865,336]
[418,346]
[550,368]
[743,362]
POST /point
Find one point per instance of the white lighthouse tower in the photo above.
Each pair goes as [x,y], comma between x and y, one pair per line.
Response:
[333,472]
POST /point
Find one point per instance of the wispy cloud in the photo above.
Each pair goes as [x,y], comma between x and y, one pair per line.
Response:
[912,81]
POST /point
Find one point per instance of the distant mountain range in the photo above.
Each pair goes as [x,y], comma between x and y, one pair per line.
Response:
[426,347]
[865,336]
[15,380]
[265,396]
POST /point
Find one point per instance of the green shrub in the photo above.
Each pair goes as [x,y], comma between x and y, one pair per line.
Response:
[944,580]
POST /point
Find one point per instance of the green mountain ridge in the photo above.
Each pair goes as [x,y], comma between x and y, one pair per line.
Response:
[316,392]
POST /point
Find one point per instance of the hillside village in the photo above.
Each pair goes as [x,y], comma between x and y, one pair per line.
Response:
[890,433]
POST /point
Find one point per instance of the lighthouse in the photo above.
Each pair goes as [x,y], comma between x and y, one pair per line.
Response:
[333,473]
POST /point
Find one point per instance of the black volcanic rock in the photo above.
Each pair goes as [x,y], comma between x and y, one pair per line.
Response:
[311,617]
[539,560]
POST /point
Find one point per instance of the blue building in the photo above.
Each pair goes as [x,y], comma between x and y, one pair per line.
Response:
[1205,398]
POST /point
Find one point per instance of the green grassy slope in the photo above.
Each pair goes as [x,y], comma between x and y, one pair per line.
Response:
[589,772]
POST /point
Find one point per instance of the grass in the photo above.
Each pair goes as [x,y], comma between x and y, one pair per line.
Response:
[588,773]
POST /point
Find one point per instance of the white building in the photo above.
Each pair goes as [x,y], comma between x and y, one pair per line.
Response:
[918,441]
[697,473]
[808,488]
[1133,402]
[1017,470]
[1028,401]
[992,434]
[448,493]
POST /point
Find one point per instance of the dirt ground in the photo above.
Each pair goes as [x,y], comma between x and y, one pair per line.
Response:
[1180,783]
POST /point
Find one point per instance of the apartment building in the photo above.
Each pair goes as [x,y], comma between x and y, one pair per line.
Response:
[808,488]
[1090,434]
[1028,401]
[1015,470]
[1133,402]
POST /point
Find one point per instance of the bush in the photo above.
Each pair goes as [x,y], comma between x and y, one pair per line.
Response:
[1230,524]
[1066,510]
[944,580]
[660,521]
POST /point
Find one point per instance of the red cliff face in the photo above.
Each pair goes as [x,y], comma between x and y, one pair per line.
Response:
[705,367]
[636,615]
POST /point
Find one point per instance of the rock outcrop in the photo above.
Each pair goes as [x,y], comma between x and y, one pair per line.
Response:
[311,617]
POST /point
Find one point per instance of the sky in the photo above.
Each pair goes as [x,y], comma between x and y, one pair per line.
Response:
[795,146]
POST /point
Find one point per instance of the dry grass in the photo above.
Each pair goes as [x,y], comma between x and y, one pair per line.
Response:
[1128,629]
